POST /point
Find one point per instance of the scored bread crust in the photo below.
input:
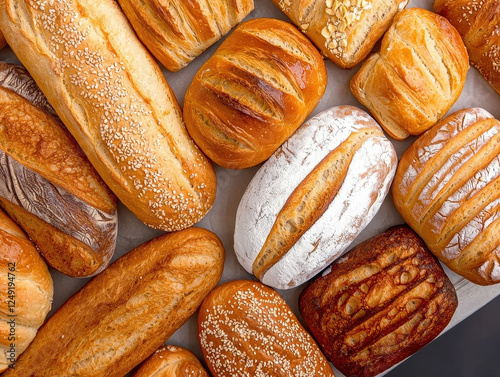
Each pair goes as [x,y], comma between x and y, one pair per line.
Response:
[114,99]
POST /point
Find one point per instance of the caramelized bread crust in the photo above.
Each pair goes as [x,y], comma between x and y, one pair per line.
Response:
[384,300]
[447,188]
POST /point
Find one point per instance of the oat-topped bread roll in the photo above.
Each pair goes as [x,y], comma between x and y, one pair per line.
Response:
[344,30]
[311,199]
[447,188]
[177,31]
[254,92]
[25,291]
[478,22]
[171,361]
[114,99]
[416,77]
[384,300]
[48,186]
[124,314]
[246,329]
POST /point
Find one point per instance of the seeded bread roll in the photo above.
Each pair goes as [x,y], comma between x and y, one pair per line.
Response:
[171,361]
[254,92]
[25,291]
[344,31]
[178,31]
[125,313]
[114,99]
[336,169]
[383,301]
[447,188]
[247,329]
[478,22]
[416,77]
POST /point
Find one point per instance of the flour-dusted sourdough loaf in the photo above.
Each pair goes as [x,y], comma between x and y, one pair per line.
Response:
[113,98]
[309,201]
[344,30]
[128,311]
[246,329]
[447,188]
[177,31]
[254,92]
[171,361]
[478,22]
[25,292]
[48,186]
[416,77]
[381,302]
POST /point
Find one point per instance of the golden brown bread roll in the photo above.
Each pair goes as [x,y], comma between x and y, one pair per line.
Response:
[25,292]
[246,329]
[125,313]
[48,186]
[115,101]
[171,361]
[380,303]
[478,23]
[178,31]
[344,31]
[416,77]
[3,42]
[447,188]
[254,92]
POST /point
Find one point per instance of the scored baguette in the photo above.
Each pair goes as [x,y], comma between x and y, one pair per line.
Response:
[114,99]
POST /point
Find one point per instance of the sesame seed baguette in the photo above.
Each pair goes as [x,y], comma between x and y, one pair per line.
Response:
[124,314]
[115,101]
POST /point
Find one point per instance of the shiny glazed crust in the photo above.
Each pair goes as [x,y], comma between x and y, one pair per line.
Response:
[114,99]
[381,302]
[478,22]
[416,77]
[246,329]
[178,31]
[447,188]
[344,31]
[125,313]
[254,92]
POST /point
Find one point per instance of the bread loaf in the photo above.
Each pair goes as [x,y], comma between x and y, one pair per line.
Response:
[178,31]
[381,302]
[48,186]
[254,92]
[115,101]
[344,31]
[336,169]
[25,292]
[247,329]
[125,313]
[171,361]
[478,22]
[447,188]
[416,77]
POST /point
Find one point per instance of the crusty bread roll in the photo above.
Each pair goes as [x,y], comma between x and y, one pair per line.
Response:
[344,30]
[177,31]
[25,292]
[48,186]
[416,77]
[478,24]
[247,329]
[171,361]
[115,101]
[125,313]
[3,42]
[336,169]
[447,188]
[384,300]
[253,93]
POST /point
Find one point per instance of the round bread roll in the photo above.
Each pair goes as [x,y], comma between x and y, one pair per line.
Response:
[26,292]
[253,93]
